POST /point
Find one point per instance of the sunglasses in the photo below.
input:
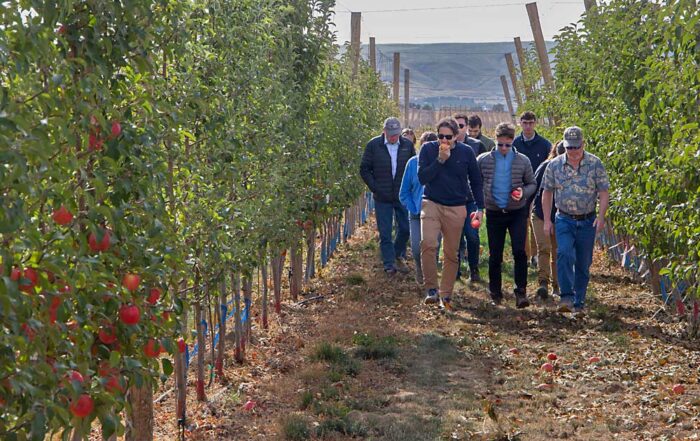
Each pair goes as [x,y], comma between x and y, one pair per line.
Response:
[501,144]
[461,126]
[447,137]
[572,147]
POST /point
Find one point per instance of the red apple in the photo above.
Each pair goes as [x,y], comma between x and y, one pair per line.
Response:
[108,334]
[166,315]
[475,223]
[547,367]
[129,314]
[516,193]
[116,129]
[514,351]
[153,296]
[113,384]
[82,407]
[76,376]
[15,274]
[33,277]
[594,359]
[152,348]
[181,345]
[249,405]
[62,216]
[28,331]
[53,309]
[552,356]
[63,287]
[678,389]
[94,142]
[102,245]
[131,281]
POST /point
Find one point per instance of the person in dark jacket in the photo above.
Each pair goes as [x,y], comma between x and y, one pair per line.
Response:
[449,171]
[382,167]
[474,131]
[546,243]
[536,148]
[508,185]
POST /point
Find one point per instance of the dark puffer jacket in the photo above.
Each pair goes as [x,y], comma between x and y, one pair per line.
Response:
[375,168]
[521,176]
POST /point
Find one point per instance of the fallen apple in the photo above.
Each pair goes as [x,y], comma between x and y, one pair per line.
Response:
[678,389]
[551,356]
[547,367]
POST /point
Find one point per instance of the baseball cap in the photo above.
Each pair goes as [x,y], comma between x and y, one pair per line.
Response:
[573,137]
[392,126]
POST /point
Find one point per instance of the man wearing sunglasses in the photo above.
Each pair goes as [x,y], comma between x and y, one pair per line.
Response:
[508,184]
[577,181]
[382,168]
[449,171]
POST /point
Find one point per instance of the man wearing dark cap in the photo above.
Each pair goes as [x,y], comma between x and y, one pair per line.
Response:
[577,181]
[382,167]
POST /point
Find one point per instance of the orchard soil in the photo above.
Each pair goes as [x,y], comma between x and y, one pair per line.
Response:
[370,361]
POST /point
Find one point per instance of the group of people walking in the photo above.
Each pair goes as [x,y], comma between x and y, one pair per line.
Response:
[550,200]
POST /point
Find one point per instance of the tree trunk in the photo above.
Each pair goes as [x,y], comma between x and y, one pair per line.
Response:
[222,331]
[297,264]
[310,254]
[139,421]
[237,325]
[180,366]
[201,348]
[277,267]
[263,270]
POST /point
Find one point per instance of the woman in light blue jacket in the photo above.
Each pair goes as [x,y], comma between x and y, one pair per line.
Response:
[411,195]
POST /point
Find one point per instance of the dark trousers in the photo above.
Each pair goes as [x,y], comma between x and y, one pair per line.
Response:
[515,223]
[392,245]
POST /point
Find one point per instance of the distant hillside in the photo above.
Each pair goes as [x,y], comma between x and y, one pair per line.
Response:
[456,74]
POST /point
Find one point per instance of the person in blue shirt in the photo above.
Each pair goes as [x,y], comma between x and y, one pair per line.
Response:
[508,185]
[411,196]
[382,166]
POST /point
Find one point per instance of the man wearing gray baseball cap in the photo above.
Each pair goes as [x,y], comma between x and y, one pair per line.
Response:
[382,167]
[578,182]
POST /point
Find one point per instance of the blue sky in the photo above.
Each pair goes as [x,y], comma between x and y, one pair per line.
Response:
[443,21]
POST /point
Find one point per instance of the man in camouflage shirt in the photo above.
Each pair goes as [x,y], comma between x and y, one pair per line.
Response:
[577,180]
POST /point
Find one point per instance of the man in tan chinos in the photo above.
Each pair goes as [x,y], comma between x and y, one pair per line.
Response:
[451,176]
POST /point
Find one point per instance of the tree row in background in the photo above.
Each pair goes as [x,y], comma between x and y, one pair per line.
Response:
[154,155]
[628,73]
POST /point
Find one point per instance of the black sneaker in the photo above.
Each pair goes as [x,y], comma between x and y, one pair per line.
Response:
[521,301]
[496,298]
[542,292]
[475,277]
[431,297]
[401,266]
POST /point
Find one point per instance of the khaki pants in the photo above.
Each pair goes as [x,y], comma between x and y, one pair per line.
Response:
[436,218]
[530,239]
[546,254]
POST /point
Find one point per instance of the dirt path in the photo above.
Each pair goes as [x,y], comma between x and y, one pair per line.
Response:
[369,361]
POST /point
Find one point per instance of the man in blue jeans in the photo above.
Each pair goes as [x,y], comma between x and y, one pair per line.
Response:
[577,181]
[382,168]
